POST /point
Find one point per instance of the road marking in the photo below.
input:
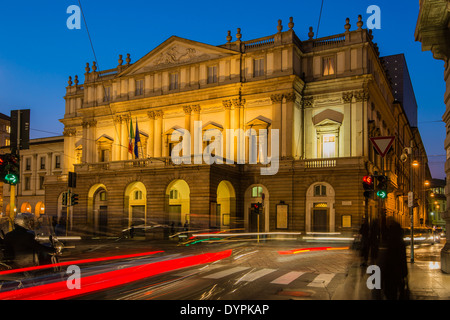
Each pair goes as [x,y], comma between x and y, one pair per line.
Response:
[225,273]
[252,276]
[288,277]
[196,271]
[322,280]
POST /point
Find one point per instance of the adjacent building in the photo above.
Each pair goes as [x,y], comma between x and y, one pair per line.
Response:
[325,97]
[433,31]
[44,159]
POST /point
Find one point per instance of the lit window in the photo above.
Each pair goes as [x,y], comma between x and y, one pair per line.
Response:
[139,87]
[173,84]
[138,195]
[257,192]
[173,194]
[212,74]
[328,145]
[328,66]
[102,196]
[8,129]
[258,67]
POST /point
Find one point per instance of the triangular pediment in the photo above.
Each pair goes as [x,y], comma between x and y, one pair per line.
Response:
[176,51]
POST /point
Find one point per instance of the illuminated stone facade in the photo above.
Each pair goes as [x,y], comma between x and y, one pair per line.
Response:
[325,97]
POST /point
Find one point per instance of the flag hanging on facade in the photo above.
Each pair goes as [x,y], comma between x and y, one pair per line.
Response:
[137,139]
[131,137]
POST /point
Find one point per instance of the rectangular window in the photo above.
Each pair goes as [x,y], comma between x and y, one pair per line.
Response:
[7,142]
[328,146]
[173,81]
[212,74]
[28,164]
[107,96]
[258,67]
[57,162]
[42,163]
[41,182]
[139,87]
[328,66]
[8,129]
[27,183]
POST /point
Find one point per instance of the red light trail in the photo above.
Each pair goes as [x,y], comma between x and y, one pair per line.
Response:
[90,284]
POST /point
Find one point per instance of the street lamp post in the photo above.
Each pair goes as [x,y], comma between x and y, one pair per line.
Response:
[412,164]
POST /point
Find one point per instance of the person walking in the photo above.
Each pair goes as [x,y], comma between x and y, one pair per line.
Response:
[394,271]
[365,244]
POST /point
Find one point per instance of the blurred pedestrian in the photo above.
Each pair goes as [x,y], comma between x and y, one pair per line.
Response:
[365,245]
[374,240]
[394,271]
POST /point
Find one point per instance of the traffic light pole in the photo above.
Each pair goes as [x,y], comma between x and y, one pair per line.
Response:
[12,205]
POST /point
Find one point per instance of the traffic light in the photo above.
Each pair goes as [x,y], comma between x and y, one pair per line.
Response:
[382,187]
[64,198]
[3,162]
[73,199]
[257,207]
[9,169]
[368,186]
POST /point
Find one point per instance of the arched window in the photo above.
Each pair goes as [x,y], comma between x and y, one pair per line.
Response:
[138,195]
[257,192]
[320,190]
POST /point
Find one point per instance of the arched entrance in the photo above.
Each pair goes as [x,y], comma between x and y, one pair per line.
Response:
[178,203]
[136,205]
[25,207]
[320,215]
[39,209]
[98,209]
[226,205]
[256,193]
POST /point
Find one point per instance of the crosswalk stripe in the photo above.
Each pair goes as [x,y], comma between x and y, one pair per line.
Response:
[252,276]
[288,277]
[225,273]
[322,280]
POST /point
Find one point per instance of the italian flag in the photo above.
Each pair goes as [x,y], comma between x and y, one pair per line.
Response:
[131,137]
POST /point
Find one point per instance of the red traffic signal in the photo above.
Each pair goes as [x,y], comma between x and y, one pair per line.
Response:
[368,180]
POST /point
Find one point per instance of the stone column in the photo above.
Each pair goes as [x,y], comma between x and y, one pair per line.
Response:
[241,154]
[289,125]
[347,98]
[69,147]
[124,134]
[158,139]
[227,125]
[151,134]
[277,122]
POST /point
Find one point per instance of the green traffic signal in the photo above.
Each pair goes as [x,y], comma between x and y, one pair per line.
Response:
[382,194]
[11,179]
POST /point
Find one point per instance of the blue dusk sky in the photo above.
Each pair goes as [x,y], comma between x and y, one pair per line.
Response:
[38,52]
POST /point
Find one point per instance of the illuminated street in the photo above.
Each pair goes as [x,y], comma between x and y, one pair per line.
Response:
[269,270]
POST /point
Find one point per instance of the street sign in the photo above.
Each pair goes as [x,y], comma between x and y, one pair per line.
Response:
[382,144]
[410,199]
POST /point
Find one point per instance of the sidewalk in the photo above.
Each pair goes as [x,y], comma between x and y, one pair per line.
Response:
[425,278]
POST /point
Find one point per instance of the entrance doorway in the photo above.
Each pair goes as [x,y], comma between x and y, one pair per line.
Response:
[320,220]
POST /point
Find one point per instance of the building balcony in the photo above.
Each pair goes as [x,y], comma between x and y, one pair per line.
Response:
[166,162]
